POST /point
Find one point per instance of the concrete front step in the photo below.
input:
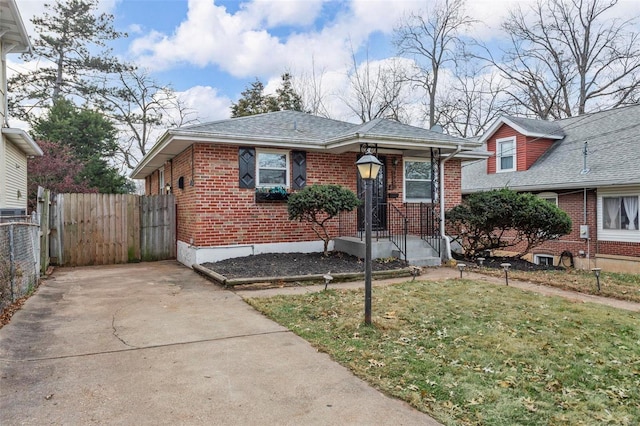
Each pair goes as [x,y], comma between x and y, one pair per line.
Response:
[419,252]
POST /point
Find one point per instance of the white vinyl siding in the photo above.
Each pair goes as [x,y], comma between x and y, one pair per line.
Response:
[506,154]
[614,223]
[15,187]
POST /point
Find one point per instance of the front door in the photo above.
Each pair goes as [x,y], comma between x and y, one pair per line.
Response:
[379,213]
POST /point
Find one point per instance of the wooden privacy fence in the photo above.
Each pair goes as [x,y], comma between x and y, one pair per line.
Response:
[104,229]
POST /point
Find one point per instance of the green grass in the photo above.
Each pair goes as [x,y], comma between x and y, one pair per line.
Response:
[475,353]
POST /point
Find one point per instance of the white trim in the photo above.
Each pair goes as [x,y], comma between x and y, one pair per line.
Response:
[404,179]
[537,257]
[505,120]
[548,196]
[188,254]
[287,167]
[511,139]
[621,235]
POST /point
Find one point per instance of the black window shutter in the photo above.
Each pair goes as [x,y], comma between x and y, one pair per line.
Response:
[299,169]
[247,167]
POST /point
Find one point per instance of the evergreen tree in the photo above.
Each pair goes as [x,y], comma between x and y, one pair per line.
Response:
[254,101]
[71,46]
[91,139]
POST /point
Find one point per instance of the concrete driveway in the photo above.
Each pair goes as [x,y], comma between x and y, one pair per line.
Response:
[155,343]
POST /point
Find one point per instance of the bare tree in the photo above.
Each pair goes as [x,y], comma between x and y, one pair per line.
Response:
[474,99]
[377,91]
[432,38]
[566,58]
[310,88]
[141,108]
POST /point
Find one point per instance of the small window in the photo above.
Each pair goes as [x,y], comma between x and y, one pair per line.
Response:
[417,180]
[506,154]
[272,169]
[543,259]
[161,180]
[620,213]
[550,197]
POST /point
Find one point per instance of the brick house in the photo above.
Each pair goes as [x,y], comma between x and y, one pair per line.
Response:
[587,165]
[15,144]
[223,175]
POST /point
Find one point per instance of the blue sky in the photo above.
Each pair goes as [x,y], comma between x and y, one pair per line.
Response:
[210,50]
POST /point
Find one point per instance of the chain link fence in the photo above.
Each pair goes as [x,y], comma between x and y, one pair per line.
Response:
[19,260]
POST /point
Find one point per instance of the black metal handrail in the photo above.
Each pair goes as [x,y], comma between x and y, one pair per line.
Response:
[398,226]
[420,219]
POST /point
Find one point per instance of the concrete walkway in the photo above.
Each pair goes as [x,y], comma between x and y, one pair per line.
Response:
[155,343]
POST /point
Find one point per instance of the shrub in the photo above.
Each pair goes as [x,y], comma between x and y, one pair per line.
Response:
[484,219]
[317,204]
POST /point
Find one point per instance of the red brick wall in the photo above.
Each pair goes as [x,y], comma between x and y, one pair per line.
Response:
[618,248]
[216,211]
[573,204]
[452,183]
[528,149]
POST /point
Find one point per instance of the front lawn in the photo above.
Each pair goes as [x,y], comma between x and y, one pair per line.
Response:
[474,353]
[615,285]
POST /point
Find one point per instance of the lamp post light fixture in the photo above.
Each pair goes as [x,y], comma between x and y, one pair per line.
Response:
[167,188]
[368,168]
[596,272]
[481,261]
[461,267]
[506,267]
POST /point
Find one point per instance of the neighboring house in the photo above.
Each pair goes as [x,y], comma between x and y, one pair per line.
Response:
[16,145]
[220,171]
[588,165]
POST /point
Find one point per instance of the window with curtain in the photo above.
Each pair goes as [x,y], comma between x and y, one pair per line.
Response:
[620,213]
[272,168]
[506,154]
[417,180]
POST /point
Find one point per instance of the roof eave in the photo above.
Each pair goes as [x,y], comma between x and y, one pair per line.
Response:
[554,186]
[505,120]
[22,139]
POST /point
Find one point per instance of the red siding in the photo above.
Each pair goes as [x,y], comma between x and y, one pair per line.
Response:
[528,149]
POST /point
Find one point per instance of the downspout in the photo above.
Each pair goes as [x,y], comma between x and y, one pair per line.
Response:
[446,254]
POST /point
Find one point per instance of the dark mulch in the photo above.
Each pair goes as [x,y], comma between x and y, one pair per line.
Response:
[516,264]
[289,264]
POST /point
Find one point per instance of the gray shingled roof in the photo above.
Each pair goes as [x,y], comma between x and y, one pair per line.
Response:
[613,156]
[287,129]
[284,125]
[542,127]
[295,125]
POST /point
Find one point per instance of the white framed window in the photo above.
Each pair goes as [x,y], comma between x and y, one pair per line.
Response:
[506,154]
[272,168]
[161,180]
[543,259]
[418,180]
[550,197]
[620,212]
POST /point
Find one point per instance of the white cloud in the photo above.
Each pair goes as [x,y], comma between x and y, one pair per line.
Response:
[209,104]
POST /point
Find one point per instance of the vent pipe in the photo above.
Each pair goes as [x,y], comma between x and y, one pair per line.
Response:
[585,152]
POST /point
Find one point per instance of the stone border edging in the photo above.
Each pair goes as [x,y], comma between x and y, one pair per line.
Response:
[338,277]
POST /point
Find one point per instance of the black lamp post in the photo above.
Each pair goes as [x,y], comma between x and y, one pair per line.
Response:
[368,168]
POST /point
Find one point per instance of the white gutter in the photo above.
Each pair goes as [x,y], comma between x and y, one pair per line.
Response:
[445,239]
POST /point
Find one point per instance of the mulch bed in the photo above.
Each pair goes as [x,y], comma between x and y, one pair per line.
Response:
[291,264]
[516,264]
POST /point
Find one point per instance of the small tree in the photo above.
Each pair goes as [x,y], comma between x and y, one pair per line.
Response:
[484,220]
[318,204]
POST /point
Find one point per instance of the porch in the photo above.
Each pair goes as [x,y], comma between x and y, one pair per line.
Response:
[408,231]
